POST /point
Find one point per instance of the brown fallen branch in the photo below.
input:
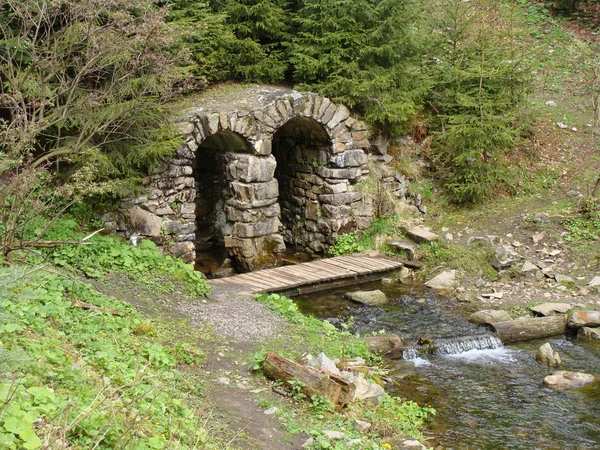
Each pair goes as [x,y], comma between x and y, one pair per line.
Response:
[90,307]
[50,244]
[313,381]
[524,330]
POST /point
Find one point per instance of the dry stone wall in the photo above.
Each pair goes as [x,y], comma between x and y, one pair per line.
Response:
[305,193]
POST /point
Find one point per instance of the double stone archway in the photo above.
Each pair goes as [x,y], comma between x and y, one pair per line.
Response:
[261,167]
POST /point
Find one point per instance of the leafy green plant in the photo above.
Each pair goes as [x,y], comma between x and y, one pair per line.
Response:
[94,383]
[344,244]
[104,254]
[579,229]
[314,334]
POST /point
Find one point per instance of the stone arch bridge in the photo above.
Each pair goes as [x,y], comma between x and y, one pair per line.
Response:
[261,168]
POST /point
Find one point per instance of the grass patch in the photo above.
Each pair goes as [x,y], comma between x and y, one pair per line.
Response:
[83,369]
[391,416]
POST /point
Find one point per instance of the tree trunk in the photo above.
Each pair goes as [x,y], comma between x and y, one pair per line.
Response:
[523,330]
[314,381]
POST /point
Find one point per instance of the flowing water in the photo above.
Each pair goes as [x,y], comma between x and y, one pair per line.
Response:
[488,396]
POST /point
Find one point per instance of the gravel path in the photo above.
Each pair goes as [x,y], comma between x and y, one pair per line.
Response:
[234,315]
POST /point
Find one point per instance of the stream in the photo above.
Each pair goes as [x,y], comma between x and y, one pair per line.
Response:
[487,396]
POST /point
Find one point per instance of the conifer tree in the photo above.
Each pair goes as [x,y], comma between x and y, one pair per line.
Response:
[481,84]
[364,53]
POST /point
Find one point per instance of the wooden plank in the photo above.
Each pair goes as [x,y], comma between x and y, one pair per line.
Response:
[370,263]
[334,272]
[356,265]
[343,266]
[359,265]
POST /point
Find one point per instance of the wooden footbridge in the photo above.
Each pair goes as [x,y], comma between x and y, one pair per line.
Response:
[311,276]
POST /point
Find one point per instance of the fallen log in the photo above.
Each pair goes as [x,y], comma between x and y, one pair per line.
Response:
[314,381]
[524,330]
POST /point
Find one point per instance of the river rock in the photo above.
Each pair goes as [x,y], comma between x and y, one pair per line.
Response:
[563,278]
[594,281]
[401,442]
[406,246]
[504,258]
[569,380]
[444,280]
[550,309]
[528,266]
[579,319]
[365,390]
[375,297]
[593,334]
[322,362]
[420,234]
[487,316]
[546,354]
[361,425]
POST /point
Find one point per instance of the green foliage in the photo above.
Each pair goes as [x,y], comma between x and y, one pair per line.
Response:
[88,93]
[105,254]
[88,378]
[315,334]
[580,229]
[364,53]
[344,244]
[392,415]
[235,39]
[481,84]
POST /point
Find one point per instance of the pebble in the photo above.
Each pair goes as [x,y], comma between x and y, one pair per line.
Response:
[271,411]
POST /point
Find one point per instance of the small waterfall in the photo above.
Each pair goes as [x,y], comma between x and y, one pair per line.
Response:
[453,346]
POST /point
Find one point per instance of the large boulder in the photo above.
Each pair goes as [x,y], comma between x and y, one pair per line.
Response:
[578,319]
[593,334]
[144,223]
[550,309]
[546,354]
[444,280]
[569,380]
[373,298]
[488,316]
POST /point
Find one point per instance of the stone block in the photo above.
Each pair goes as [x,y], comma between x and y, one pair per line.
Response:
[144,222]
[328,113]
[176,227]
[185,152]
[263,147]
[325,103]
[241,247]
[249,230]
[212,123]
[273,243]
[349,158]
[178,171]
[336,212]
[253,215]
[181,248]
[250,168]
[340,115]
[349,174]
[312,210]
[344,198]
[187,208]
[255,192]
